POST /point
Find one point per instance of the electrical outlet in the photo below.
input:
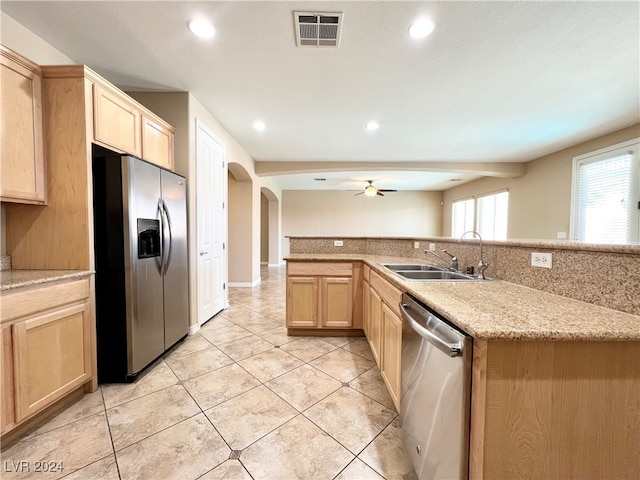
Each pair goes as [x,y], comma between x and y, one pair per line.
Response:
[561,235]
[432,247]
[337,243]
[541,260]
[416,244]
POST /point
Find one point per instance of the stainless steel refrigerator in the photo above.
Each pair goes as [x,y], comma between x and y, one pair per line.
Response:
[140,237]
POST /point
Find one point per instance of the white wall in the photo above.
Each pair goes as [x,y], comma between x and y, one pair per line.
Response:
[335,213]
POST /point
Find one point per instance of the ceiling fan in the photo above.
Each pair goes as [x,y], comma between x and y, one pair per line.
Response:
[371,191]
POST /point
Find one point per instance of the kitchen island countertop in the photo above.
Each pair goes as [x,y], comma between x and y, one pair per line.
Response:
[499,310]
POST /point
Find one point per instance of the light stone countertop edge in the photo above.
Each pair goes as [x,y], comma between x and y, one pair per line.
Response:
[499,310]
[14,279]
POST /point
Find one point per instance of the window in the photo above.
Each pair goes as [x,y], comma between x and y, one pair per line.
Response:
[606,190]
[486,214]
[492,214]
[461,217]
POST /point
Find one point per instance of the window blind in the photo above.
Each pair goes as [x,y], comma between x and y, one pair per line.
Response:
[604,200]
[461,217]
[492,216]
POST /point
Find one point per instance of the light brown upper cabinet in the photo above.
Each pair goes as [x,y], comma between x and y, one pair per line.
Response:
[157,142]
[122,124]
[117,122]
[22,158]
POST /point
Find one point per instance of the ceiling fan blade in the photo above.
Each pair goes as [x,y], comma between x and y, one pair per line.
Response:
[386,190]
[360,193]
[380,193]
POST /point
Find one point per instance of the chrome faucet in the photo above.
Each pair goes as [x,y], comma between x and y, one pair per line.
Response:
[453,261]
[481,265]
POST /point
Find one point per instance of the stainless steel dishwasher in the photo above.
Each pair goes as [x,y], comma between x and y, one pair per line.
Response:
[435,393]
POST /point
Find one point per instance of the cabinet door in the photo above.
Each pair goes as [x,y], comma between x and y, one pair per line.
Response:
[366,308]
[391,352]
[116,122]
[375,324]
[337,308]
[22,172]
[157,143]
[8,417]
[52,355]
[302,302]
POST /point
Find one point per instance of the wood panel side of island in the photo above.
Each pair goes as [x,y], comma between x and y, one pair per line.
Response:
[553,409]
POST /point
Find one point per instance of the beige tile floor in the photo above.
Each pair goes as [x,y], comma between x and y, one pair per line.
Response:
[238,400]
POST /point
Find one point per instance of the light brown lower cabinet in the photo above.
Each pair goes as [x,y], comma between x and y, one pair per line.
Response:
[391,351]
[384,331]
[320,295]
[375,325]
[366,305]
[47,348]
[302,302]
[7,394]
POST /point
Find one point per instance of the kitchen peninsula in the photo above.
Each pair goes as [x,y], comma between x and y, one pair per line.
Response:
[555,380]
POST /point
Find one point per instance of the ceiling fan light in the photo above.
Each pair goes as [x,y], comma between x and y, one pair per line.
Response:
[370,191]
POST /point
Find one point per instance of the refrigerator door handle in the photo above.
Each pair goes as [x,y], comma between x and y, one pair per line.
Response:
[160,259]
[166,223]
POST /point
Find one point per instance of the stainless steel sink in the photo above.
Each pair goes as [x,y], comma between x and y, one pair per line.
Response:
[412,266]
[434,275]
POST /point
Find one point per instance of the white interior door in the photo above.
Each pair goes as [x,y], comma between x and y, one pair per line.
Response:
[211,175]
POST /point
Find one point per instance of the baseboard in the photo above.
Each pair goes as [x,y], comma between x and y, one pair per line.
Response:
[193,329]
[264,263]
[244,284]
[275,265]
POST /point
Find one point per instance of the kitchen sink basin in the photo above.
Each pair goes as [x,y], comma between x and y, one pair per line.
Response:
[434,275]
[412,267]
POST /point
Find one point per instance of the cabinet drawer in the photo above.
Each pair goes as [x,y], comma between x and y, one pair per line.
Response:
[389,294]
[28,301]
[329,269]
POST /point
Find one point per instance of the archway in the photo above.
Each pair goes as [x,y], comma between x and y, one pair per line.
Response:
[240,217]
[270,228]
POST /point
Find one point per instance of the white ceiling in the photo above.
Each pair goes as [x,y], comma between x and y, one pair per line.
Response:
[495,82]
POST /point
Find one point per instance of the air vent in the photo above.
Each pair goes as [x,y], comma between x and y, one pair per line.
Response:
[318,29]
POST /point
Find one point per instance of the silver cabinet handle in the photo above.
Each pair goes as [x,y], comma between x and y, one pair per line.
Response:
[202,252]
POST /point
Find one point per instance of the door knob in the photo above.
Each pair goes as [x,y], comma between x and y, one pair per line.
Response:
[202,252]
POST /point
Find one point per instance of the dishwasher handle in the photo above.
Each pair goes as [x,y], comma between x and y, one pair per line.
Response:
[451,349]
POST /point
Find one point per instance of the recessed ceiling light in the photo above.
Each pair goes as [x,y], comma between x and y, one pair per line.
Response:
[259,125]
[201,27]
[421,28]
[373,125]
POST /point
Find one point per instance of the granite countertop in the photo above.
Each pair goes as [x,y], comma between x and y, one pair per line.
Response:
[498,310]
[11,279]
